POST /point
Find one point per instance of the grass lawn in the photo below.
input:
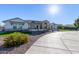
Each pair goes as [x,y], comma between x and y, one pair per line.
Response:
[12,33]
[65,30]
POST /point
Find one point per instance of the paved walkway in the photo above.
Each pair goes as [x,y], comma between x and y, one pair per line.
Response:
[56,43]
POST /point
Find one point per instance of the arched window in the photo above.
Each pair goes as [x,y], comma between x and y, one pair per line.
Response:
[45,25]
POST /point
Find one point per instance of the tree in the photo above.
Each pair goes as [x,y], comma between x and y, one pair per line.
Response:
[60,26]
[77,22]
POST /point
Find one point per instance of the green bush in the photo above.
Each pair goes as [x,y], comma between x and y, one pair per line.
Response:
[15,39]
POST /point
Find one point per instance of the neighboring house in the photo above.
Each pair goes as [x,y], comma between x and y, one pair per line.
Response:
[31,25]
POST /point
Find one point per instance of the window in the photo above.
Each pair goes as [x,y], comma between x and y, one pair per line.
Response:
[22,23]
[45,26]
[41,26]
[37,27]
[14,27]
[11,23]
[20,28]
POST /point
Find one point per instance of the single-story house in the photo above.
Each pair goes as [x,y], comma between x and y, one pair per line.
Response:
[15,24]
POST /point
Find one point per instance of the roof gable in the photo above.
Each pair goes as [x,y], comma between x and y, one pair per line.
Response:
[17,19]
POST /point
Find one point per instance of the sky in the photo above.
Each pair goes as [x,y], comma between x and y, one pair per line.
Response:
[59,14]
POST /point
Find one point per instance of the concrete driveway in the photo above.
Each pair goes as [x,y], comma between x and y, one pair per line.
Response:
[56,43]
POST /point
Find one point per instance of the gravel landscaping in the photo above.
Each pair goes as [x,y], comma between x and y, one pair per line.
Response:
[21,49]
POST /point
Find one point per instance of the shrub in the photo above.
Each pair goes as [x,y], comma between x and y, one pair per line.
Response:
[15,39]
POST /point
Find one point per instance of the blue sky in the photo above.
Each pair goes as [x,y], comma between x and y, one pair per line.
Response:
[66,14]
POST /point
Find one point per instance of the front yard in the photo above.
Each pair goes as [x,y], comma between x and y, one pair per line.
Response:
[17,49]
[9,33]
[65,30]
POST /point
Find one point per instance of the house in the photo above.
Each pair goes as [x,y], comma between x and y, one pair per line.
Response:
[54,27]
[1,26]
[16,24]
